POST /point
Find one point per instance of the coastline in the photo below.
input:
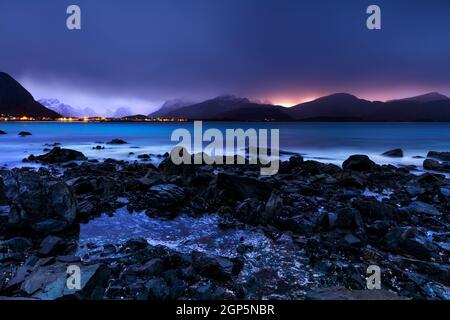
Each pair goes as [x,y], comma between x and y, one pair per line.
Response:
[333,221]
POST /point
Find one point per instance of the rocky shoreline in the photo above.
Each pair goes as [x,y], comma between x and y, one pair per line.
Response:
[339,220]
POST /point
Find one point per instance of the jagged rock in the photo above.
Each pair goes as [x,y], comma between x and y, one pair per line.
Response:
[396,153]
[372,209]
[158,289]
[359,162]
[35,199]
[59,155]
[273,206]
[410,241]
[50,282]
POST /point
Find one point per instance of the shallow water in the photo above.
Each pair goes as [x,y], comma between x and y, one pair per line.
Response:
[326,142]
[275,266]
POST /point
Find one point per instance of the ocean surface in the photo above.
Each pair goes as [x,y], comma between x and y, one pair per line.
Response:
[326,142]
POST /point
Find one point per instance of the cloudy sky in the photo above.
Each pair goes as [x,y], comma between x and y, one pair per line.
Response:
[140,53]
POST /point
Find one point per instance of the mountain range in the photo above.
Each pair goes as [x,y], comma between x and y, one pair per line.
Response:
[15,100]
[336,107]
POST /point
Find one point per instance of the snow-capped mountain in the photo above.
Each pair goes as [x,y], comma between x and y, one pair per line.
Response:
[67,110]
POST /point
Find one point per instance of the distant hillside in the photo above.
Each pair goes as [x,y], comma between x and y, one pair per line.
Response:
[343,106]
[67,110]
[16,101]
[230,108]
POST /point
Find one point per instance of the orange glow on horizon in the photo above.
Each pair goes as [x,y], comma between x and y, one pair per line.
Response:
[290,102]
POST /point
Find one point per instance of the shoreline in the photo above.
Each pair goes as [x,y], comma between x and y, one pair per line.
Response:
[335,221]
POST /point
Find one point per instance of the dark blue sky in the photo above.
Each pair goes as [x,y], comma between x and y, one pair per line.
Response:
[139,53]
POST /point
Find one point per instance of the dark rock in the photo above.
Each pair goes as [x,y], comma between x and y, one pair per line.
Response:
[352,179]
[295,161]
[372,209]
[273,206]
[422,208]
[444,156]
[152,267]
[213,267]
[396,153]
[143,156]
[51,245]
[18,244]
[430,164]
[410,241]
[359,162]
[59,155]
[49,226]
[24,133]
[2,132]
[345,218]
[158,289]
[50,282]
[244,187]
[117,141]
[167,195]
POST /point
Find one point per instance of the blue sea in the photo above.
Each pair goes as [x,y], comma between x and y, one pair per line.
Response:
[326,142]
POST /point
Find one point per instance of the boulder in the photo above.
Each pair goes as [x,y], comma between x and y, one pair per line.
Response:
[273,206]
[422,208]
[2,132]
[444,156]
[396,153]
[431,164]
[371,210]
[359,162]
[24,134]
[50,246]
[157,289]
[217,268]
[18,244]
[167,195]
[117,141]
[35,199]
[243,187]
[409,240]
[59,155]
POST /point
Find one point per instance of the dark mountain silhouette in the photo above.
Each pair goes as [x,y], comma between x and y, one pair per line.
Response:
[424,98]
[16,101]
[230,108]
[345,107]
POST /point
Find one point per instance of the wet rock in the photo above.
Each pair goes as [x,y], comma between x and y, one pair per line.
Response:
[51,245]
[359,162]
[59,155]
[36,198]
[273,206]
[117,141]
[244,187]
[18,244]
[345,218]
[409,240]
[143,156]
[49,226]
[167,195]
[396,153]
[50,282]
[2,132]
[214,267]
[152,267]
[444,156]
[430,164]
[158,289]
[352,179]
[422,208]
[372,209]
[24,133]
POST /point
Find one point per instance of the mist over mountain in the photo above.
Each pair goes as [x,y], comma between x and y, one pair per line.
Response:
[16,101]
[170,105]
[228,107]
[67,110]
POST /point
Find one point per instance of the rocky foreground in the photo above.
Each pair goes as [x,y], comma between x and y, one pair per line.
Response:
[340,220]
